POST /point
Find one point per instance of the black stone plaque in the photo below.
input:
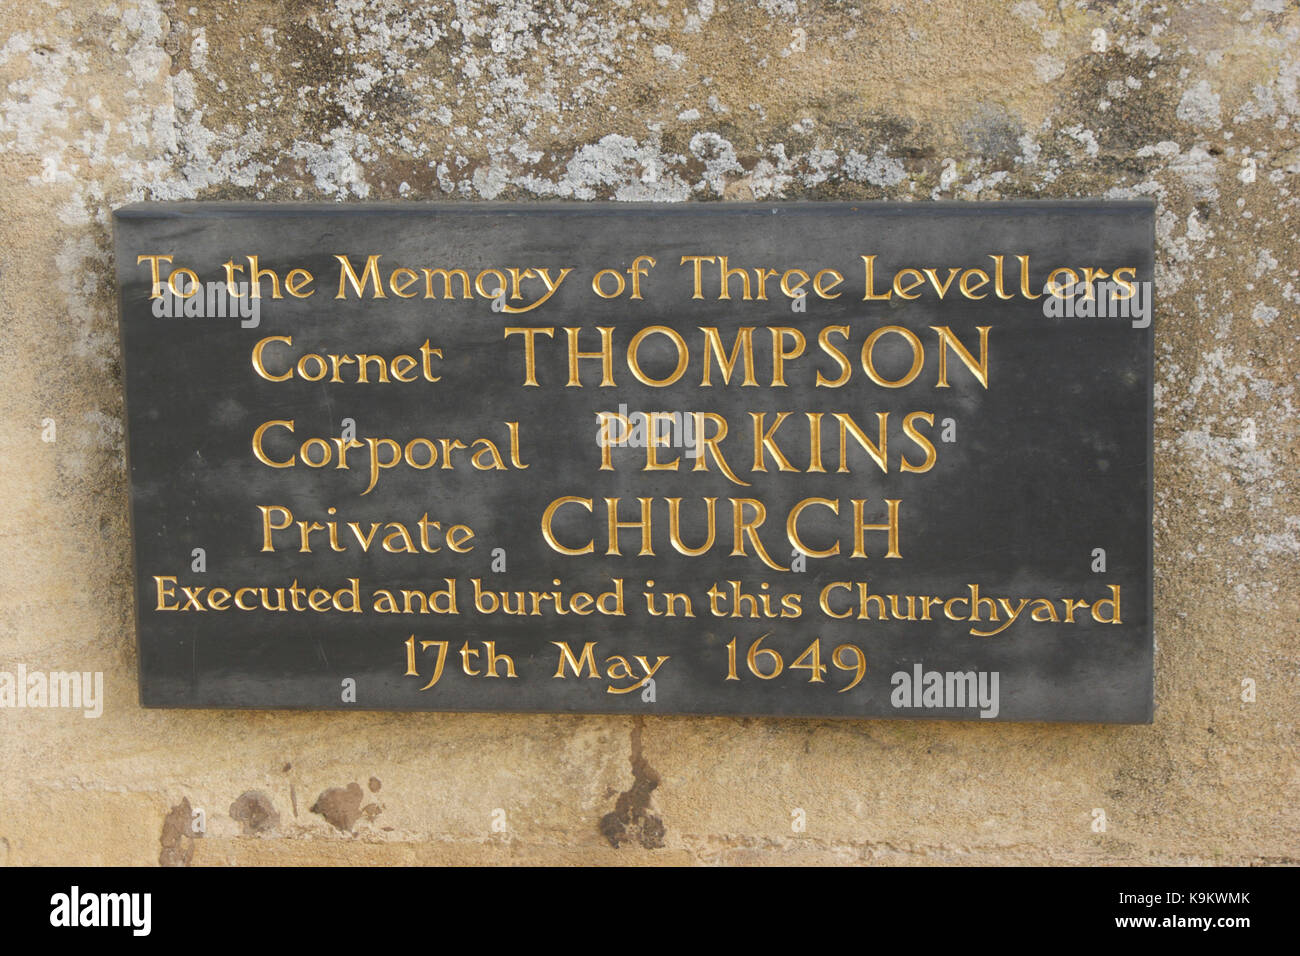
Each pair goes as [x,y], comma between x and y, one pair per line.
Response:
[876,460]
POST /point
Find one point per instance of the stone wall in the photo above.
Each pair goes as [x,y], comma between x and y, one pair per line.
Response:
[1192,103]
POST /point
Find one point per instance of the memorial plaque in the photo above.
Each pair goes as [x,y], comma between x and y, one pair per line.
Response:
[838,460]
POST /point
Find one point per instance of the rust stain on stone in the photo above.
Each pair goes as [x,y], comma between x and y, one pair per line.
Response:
[255,813]
[630,821]
[341,806]
[178,835]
